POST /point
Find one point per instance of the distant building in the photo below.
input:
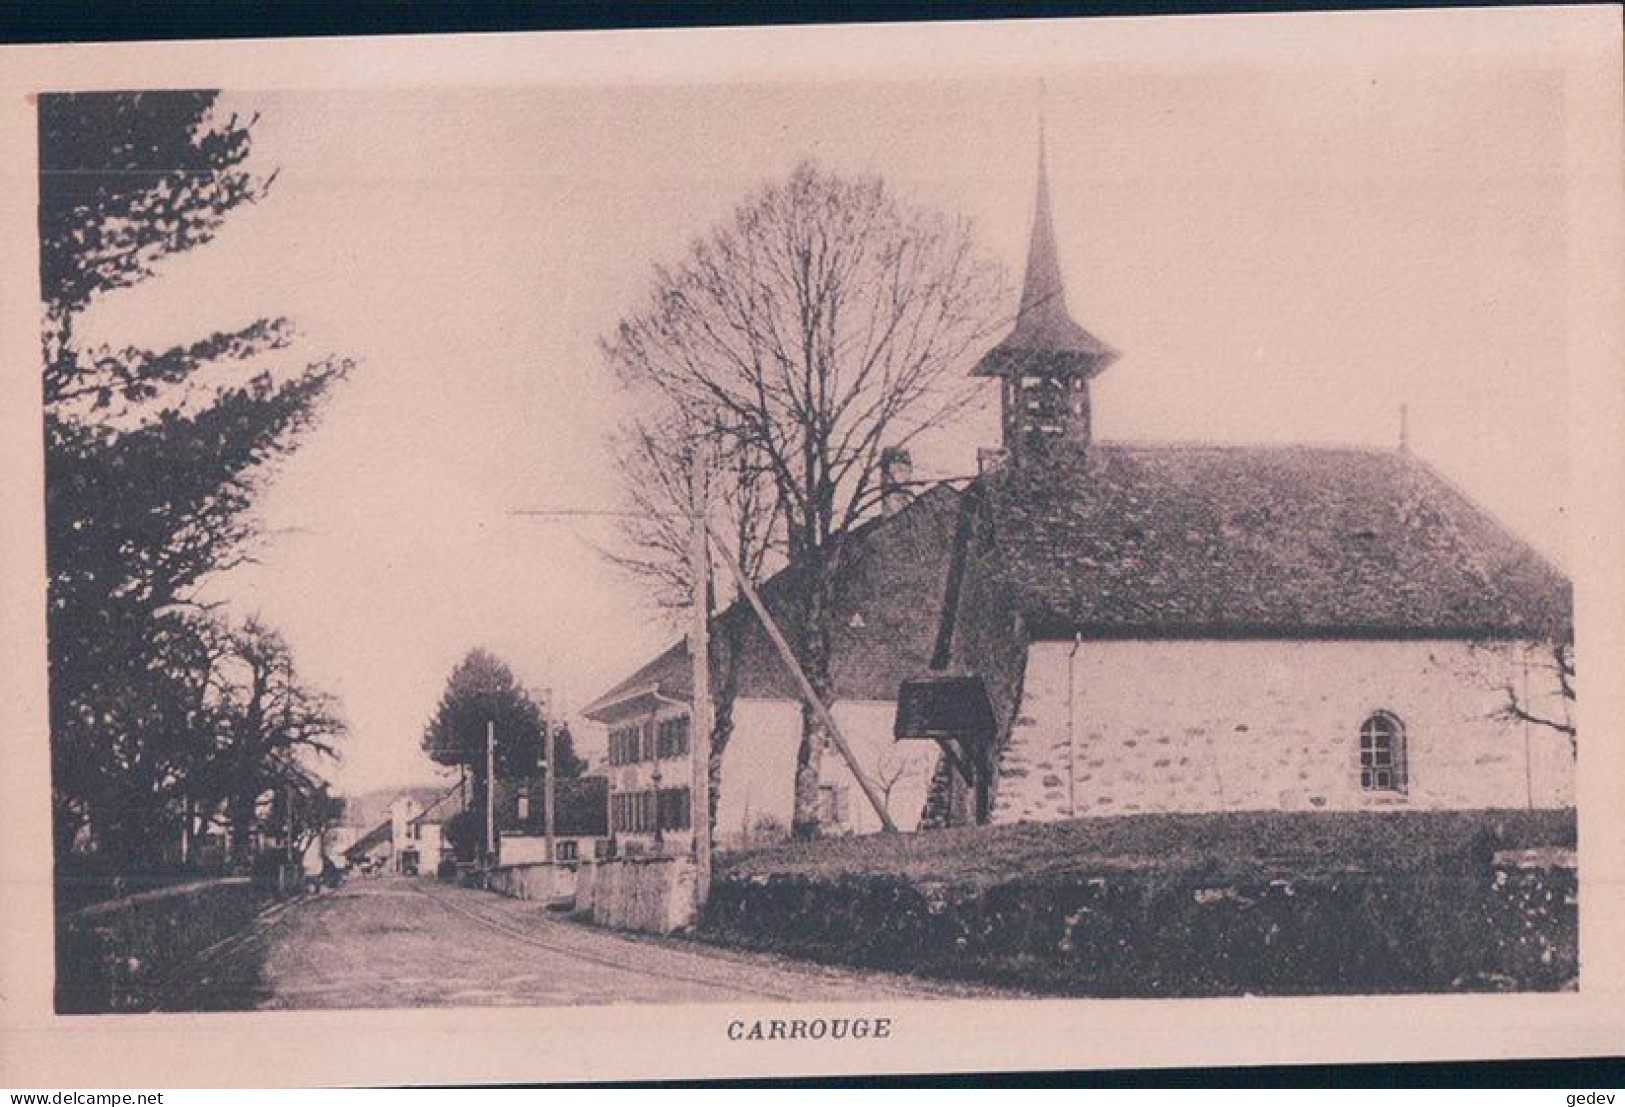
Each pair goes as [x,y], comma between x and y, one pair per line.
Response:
[408,841]
[411,839]
[580,831]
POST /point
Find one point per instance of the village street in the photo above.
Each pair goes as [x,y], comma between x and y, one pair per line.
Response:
[404,942]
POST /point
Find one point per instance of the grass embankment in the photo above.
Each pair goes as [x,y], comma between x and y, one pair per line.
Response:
[1176,905]
[1230,845]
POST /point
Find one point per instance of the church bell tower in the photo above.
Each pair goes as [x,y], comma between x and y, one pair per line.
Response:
[1046,362]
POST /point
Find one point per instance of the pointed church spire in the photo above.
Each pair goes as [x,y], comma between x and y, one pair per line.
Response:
[1047,359]
[1044,326]
[1043,290]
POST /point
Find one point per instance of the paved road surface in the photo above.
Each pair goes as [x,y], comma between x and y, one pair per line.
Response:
[381,942]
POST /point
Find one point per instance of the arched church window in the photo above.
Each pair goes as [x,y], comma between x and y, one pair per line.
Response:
[1382,753]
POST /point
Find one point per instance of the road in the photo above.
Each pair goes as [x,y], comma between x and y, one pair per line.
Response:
[405,942]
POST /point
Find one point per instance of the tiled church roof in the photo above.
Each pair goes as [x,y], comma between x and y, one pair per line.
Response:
[1277,541]
[1170,540]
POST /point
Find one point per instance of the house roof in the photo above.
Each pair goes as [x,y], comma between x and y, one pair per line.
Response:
[1156,540]
[667,677]
[1132,540]
[441,807]
[367,808]
[882,621]
[383,832]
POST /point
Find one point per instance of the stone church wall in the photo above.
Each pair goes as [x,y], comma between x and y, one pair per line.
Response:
[1214,725]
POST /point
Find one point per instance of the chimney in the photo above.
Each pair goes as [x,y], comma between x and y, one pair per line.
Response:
[896,471]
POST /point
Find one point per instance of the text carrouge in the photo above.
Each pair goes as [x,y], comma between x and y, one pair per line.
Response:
[777,1030]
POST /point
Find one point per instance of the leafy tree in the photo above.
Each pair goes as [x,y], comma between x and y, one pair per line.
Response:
[135,763]
[482,690]
[820,325]
[152,456]
[463,832]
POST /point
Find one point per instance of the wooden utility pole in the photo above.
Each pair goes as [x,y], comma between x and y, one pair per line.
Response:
[787,655]
[490,792]
[699,650]
[550,790]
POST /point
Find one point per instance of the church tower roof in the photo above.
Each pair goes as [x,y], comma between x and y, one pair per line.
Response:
[1045,338]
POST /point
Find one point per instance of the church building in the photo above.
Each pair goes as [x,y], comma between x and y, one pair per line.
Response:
[1092,628]
[1167,627]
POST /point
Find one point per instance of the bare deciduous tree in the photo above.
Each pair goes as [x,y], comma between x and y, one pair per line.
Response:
[654,459]
[821,324]
[270,720]
[1519,707]
[888,770]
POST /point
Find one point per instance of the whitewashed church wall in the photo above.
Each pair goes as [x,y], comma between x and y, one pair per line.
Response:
[758,768]
[1275,725]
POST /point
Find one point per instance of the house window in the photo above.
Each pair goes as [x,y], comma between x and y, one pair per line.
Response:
[832,805]
[565,850]
[524,807]
[627,745]
[1382,754]
[674,808]
[633,812]
[640,812]
[672,737]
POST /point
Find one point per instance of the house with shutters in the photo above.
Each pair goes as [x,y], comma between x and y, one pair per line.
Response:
[1099,628]
[898,561]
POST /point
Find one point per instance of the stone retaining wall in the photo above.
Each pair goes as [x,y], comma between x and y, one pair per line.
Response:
[651,894]
[538,880]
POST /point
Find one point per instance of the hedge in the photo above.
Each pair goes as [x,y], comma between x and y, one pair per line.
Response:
[1262,904]
[129,954]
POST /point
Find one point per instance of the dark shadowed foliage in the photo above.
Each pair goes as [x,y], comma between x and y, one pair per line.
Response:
[153,459]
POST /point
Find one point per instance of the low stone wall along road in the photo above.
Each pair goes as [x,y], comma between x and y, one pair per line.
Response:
[380,942]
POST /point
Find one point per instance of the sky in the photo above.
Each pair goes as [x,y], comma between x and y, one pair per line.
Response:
[1283,253]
